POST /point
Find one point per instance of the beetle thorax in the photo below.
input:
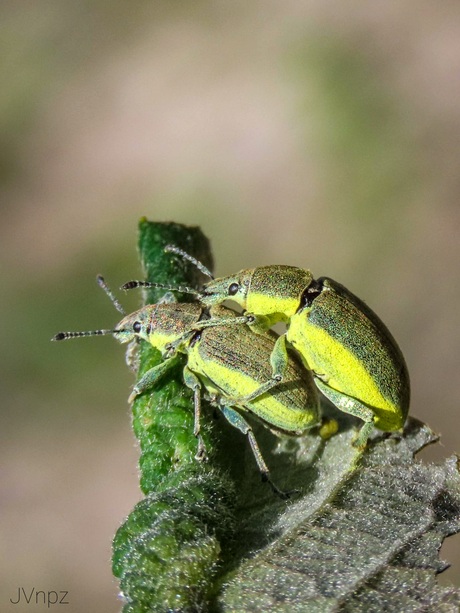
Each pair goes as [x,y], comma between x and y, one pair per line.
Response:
[277,289]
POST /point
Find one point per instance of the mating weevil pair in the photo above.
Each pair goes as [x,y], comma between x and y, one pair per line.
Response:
[345,348]
[229,363]
[352,355]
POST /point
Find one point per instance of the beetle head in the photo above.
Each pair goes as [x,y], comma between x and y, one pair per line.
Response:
[137,324]
[234,287]
[159,324]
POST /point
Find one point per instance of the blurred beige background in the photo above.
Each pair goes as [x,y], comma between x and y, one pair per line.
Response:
[320,134]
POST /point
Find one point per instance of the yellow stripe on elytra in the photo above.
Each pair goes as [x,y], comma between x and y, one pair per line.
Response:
[235,384]
[346,373]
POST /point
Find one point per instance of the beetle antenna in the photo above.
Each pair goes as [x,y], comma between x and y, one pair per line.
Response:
[63,336]
[147,284]
[101,282]
[201,267]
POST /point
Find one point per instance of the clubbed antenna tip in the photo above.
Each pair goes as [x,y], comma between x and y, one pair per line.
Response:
[63,336]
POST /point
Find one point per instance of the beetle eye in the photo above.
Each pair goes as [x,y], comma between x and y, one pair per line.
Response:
[137,327]
[233,289]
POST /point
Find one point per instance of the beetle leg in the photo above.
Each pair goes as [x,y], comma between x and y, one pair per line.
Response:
[192,381]
[262,389]
[278,360]
[222,321]
[279,357]
[151,377]
[360,441]
[352,407]
[236,420]
[172,348]
[259,323]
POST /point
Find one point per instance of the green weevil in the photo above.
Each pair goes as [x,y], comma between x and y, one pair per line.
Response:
[355,360]
[229,363]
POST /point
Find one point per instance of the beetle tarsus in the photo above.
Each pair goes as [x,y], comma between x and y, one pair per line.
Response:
[276,490]
[201,454]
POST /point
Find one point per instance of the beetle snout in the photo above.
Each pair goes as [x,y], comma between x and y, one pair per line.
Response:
[209,297]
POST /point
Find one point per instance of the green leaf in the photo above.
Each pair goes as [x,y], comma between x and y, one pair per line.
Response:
[362,534]
[370,544]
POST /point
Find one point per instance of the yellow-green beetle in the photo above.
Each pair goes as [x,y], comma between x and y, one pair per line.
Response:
[351,353]
[229,363]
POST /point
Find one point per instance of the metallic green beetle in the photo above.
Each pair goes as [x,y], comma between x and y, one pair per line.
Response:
[351,353]
[229,363]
